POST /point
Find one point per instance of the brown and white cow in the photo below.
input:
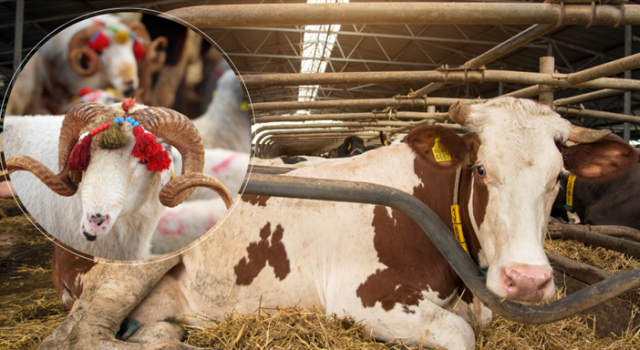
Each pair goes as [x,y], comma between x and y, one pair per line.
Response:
[371,262]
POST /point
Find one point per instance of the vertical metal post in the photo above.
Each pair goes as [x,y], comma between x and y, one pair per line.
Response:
[627,75]
[431,109]
[17,41]
[547,65]
[549,49]
[500,88]
[467,90]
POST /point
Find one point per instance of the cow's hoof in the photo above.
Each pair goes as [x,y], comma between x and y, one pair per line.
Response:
[155,332]
[127,328]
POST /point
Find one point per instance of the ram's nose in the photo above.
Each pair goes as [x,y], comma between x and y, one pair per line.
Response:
[94,225]
[129,89]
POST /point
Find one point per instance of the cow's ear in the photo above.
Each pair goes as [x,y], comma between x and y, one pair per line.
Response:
[600,160]
[437,145]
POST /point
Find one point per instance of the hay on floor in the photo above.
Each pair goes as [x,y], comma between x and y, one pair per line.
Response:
[291,328]
[287,328]
[26,327]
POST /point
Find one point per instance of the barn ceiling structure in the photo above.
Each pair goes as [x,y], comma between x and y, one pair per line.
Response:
[389,65]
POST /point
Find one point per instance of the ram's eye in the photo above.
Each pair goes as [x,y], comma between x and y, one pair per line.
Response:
[481,170]
[142,162]
[559,177]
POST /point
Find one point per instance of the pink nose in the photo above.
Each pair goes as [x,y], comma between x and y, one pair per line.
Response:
[527,282]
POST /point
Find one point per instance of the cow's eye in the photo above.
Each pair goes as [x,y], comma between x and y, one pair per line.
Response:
[481,171]
[559,176]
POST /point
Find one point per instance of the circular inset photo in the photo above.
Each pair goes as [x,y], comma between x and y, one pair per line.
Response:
[126,136]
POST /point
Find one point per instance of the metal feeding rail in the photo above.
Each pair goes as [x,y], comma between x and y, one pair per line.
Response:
[360,192]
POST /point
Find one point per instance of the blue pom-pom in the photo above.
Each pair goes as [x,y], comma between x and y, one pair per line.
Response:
[136,124]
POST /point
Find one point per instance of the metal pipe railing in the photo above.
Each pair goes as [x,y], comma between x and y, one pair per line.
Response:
[587,97]
[352,116]
[369,103]
[451,75]
[271,15]
[358,192]
[519,40]
[589,113]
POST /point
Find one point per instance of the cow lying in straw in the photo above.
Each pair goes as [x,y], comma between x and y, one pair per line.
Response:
[370,262]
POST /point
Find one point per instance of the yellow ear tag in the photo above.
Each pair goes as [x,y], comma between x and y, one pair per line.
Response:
[173,176]
[214,94]
[386,143]
[570,183]
[244,106]
[349,147]
[440,152]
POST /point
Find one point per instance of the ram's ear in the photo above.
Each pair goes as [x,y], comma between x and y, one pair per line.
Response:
[438,145]
[601,160]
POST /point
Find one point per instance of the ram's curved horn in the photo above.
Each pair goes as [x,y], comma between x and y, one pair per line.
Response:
[459,112]
[77,46]
[152,62]
[58,184]
[76,119]
[586,135]
[192,180]
[177,130]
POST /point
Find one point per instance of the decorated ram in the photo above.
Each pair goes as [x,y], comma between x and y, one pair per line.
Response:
[113,170]
[92,54]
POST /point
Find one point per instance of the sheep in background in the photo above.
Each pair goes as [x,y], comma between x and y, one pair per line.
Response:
[185,223]
[229,167]
[94,53]
[114,210]
[227,122]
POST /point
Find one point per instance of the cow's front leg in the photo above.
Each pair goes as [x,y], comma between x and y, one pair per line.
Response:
[166,302]
[110,293]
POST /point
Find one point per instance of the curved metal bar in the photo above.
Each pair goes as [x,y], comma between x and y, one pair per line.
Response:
[360,192]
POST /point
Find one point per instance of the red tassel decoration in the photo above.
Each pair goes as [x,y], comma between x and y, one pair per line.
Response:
[99,43]
[85,90]
[80,156]
[160,161]
[139,51]
[145,146]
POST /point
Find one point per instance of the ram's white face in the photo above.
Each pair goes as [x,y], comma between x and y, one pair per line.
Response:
[114,184]
[120,67]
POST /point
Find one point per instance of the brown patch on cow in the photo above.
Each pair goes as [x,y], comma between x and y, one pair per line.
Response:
[261,253]
[406,310]
[414,264]
[422,139]
[261,201]
[67,265]
[480,201]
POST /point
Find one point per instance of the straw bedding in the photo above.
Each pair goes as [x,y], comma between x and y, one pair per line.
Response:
[27,317]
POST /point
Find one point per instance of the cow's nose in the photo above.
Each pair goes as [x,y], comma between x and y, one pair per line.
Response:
[527,282]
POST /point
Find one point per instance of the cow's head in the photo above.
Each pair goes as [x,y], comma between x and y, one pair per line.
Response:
[516,153]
